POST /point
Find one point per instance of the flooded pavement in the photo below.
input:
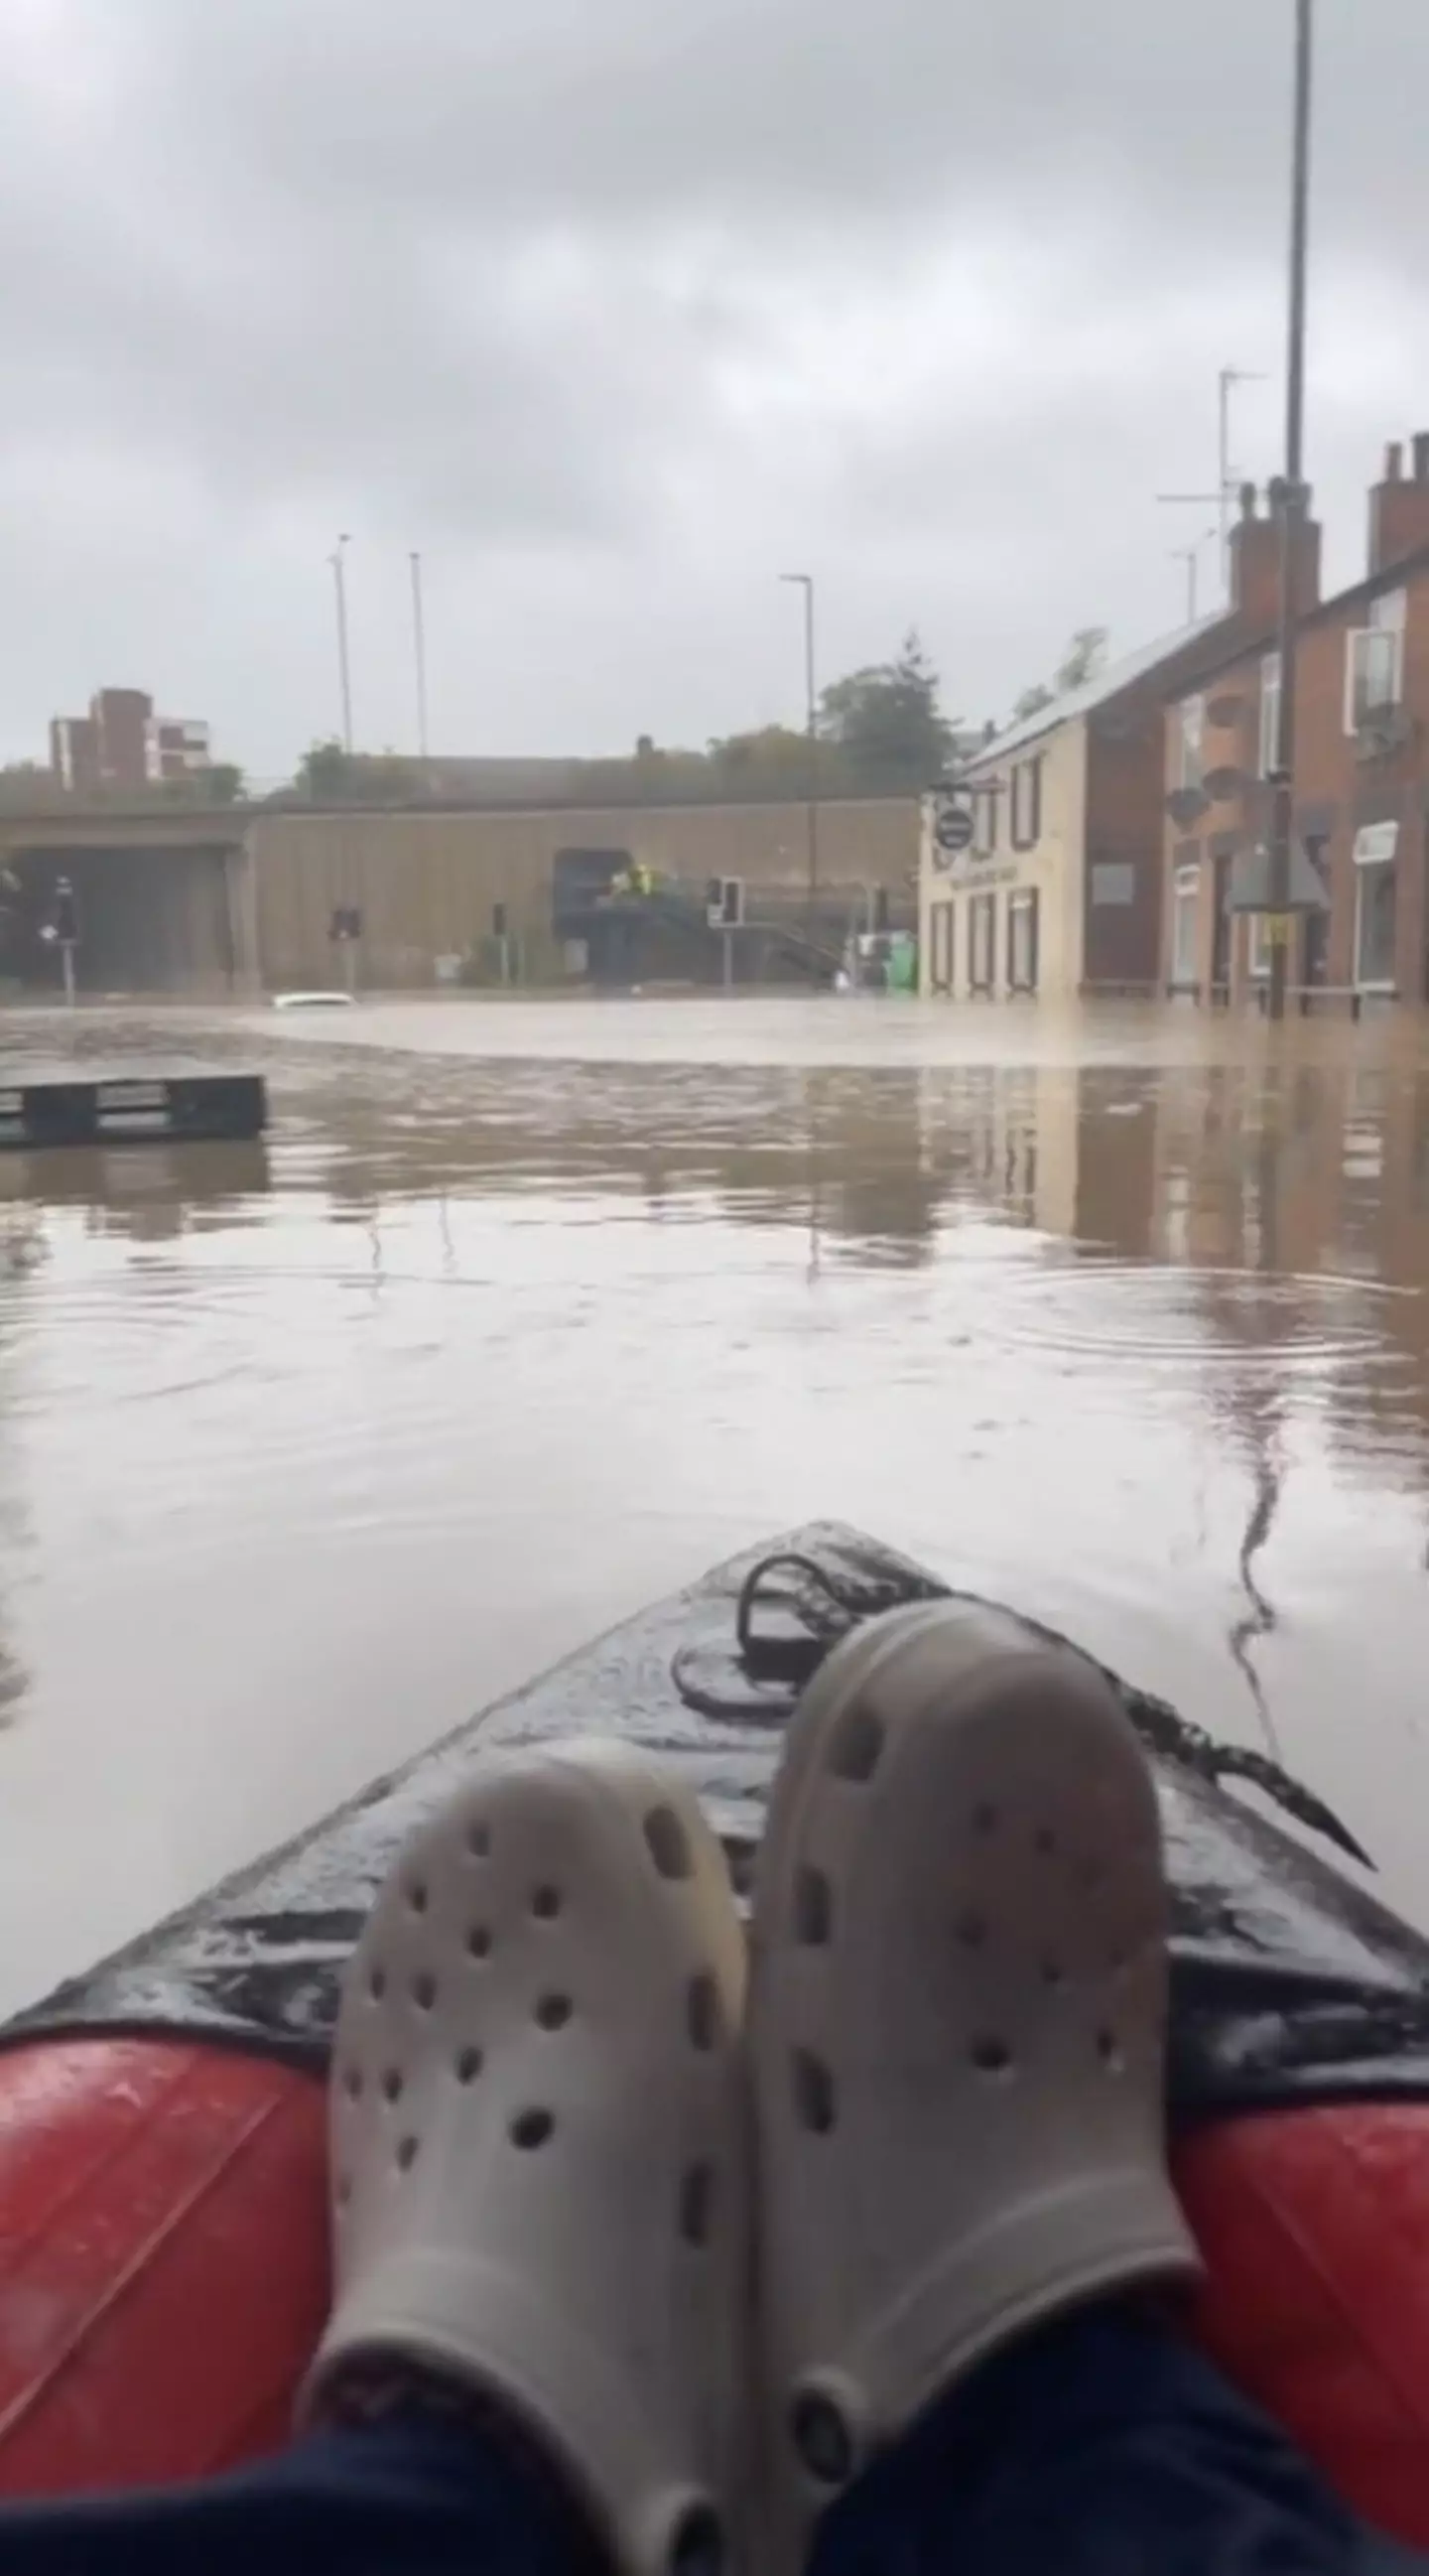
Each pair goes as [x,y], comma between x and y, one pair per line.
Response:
[527,1312]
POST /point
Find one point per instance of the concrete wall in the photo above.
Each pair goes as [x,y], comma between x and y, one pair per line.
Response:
[427,883]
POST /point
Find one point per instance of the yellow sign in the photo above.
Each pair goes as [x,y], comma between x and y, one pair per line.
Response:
[1278,926]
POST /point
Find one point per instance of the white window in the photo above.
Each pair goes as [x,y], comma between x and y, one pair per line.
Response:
[1185,906]
[1192,764]
[1027,803]
[1257,946]
[982,943]
[1022,941]
[1376,906]
[1374,662]
[1269,712]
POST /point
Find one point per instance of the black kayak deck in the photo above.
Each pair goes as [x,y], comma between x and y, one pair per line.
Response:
[1290,1983]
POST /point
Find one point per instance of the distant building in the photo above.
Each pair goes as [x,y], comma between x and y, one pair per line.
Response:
[123,743]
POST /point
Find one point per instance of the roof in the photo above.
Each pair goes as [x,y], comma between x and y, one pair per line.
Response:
[1246,647]
[1109,683]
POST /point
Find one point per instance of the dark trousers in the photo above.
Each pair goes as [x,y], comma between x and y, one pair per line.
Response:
[1102,2448]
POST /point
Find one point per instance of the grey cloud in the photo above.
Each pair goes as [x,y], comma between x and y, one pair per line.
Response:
[616,304]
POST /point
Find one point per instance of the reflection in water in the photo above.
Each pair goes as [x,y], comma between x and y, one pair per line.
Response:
[312,1446]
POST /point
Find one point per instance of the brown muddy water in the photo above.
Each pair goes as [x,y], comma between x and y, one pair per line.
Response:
[527,1312]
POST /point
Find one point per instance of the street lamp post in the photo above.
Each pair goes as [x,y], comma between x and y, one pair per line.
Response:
[805,581]
[419,651]
[1292,499]
[338,561]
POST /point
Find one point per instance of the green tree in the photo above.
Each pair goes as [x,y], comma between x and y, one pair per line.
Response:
[887,722]
[328,775]
[1083,658]
[1081,662]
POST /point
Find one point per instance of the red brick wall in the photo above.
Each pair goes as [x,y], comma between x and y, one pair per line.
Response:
[1336,790]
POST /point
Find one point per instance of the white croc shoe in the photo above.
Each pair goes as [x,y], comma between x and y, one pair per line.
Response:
[956,2027]
[539,2148]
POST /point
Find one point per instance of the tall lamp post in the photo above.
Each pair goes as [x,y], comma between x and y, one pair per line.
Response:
[805,581]
[1292,498]
[338,560]
[419,651]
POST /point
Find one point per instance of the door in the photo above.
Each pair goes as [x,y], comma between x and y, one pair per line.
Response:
[1221,931]
[940,959]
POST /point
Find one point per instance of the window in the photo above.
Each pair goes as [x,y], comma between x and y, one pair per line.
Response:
[1374,662]
[1022,941]
[1269,712]
[1376,906]
[1192,763]
[1113,882]
[982,943]
[985,808]
[1185,909]
[1027,804]
[1257,947]
[940,962]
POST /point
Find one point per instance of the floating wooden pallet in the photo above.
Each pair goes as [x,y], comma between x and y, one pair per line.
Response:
[71,1108]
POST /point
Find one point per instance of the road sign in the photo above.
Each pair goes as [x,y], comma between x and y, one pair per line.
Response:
[953,823]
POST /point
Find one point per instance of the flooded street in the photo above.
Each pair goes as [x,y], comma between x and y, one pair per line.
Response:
[525,1313]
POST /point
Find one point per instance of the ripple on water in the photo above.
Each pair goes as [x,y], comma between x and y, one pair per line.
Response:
[1157,1319]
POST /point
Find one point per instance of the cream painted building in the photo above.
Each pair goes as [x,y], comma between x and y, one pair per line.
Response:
[1003,916]
[1058,888]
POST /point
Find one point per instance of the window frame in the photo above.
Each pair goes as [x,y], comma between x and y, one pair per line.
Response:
[1364,869]
[1191,754]
[1031,771]
[1024,903]
[1269,699]
[1364,644]
[1185,889]
[982,908]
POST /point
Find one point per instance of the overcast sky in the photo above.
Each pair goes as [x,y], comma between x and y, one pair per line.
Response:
[616,309]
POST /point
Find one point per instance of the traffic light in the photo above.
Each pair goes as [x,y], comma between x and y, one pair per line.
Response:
[66,914]
[724,903]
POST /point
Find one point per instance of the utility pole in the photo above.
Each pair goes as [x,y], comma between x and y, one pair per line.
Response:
[419,652]
[805,581]
[338,561]
[1292,499]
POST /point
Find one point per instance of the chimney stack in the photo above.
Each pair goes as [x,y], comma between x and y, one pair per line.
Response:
[1399,506]
[1255,561]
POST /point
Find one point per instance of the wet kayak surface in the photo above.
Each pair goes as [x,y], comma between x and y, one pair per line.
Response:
[526,1313]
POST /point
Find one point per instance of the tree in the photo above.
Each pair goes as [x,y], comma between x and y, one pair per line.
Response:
[24,784]
[1083,658]
[887,721]
[328,775]
[1081,662]
[775,752]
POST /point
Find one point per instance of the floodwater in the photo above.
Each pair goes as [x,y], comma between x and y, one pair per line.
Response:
[527,1312]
